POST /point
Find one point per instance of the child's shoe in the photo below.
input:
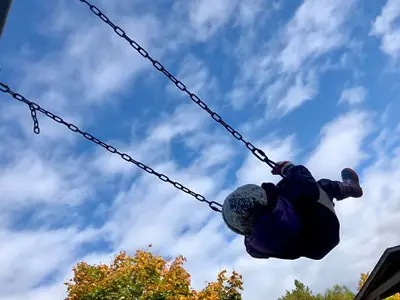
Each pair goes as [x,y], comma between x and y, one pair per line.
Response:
[350,186]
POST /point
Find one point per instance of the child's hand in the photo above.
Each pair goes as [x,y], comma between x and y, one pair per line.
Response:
[282,167]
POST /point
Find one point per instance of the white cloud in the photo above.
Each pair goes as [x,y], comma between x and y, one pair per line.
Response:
[238,98]
[386,26]
[186,119]
[185,122]
[298,94]
[197,78]
[370,220]
[289,95]
[341,145]
[88,65]
[95,60]
[254,171]
[55,291]
[207,16]
[248,11]
[28,179]
[215,154]
[31,256]
[316,29]
[135,211]
[285,73]
[353,96]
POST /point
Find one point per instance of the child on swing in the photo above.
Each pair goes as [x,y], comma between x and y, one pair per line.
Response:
[293,219]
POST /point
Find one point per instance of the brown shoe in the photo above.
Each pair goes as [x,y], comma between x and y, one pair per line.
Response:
[351,184]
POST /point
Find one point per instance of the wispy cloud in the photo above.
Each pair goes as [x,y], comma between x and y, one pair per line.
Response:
[197,77]
[353,96]
[207,16]
[386,26]
[253,172]
[31,256]
[316,28]
[291,92]
[341,145]
[43,181]
[285,75]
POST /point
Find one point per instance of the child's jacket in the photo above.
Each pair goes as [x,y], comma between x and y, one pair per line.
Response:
[298,225]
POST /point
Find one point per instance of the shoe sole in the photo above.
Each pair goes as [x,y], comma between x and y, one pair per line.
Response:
[354,174]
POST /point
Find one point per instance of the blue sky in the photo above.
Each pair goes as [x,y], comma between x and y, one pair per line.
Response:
[311,81]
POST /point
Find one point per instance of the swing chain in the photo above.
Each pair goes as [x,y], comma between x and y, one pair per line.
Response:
[36,128]
[180,85]
[215,206]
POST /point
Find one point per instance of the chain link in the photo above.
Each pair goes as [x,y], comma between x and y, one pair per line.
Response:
[36,128]
[180,85]
[215,206]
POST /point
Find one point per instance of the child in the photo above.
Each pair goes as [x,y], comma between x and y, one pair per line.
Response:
[293,219]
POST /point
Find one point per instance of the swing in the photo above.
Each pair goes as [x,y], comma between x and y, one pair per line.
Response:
[34,108]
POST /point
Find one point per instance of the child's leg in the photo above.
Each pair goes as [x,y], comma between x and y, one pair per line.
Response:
[332,188]
[350,186]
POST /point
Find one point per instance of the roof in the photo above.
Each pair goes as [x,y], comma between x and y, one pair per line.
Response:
[384,279]
[4,10]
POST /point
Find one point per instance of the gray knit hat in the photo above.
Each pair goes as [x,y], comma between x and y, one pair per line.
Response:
[240,207]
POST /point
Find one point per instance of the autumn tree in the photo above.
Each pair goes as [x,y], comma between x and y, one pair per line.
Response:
[363,279]
[146,276]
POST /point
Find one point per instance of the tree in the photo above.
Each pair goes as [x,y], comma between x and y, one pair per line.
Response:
[339,292]
[363,279]
[302,292]
[146,276]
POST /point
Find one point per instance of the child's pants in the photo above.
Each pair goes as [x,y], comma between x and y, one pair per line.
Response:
[332,188]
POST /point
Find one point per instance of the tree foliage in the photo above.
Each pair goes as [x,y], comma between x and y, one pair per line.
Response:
[146,276]
[337,292]
[363,279]
[303,292]
[300,292]
[150,277]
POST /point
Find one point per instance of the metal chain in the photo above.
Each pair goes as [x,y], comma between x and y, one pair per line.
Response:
[215,206]
[36,128]
[180,85]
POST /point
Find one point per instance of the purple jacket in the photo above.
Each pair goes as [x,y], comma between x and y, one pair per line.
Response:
[297,225]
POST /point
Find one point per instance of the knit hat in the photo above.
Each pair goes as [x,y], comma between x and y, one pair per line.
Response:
[241,207]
